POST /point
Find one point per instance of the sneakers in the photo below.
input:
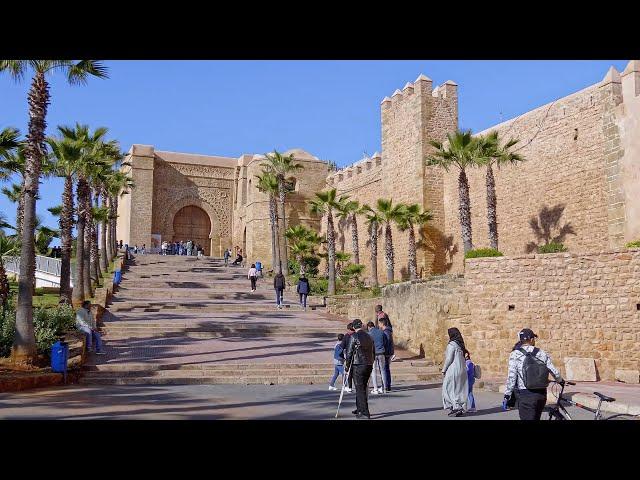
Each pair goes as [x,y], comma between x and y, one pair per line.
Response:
[332,388]
[347,389]
[375,392]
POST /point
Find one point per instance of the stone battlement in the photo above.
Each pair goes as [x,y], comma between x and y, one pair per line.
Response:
[364,165]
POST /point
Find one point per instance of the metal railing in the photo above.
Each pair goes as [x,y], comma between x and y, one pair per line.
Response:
[43,264]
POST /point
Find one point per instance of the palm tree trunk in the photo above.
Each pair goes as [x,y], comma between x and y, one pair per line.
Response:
[284,254]
[273,219]
[354,239]
[113,226]
[87,245]
[413,264]
[110,236]
[388,252]
[24,343]
[465,210]
[331,255]
[79,293]
[95,263]
[373,240]
[492,203]
[20,213]
[104,263]
[66,227]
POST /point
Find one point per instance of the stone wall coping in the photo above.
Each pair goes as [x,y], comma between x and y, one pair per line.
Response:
[553,255]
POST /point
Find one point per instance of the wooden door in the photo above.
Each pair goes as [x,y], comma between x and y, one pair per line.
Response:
[192,223]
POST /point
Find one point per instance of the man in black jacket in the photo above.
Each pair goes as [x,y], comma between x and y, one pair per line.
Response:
[359,357]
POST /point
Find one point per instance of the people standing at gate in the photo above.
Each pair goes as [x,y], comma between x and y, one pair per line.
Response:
[359,357]
[380,341]
[528,377]
[227,254]
[279,283]
[189,247]
[85,322]
[253,276]
[455,386]
[338,362]
[303,290]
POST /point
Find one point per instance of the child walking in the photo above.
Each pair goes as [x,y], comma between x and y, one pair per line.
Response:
[338,362]
[471,370]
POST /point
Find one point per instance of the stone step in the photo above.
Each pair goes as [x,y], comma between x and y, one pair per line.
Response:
[227,373]
[207,308]
[396,365]
[240,380]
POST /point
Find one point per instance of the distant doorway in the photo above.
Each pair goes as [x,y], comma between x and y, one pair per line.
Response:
[192,223]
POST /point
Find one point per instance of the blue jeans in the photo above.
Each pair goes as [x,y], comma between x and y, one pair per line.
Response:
[338,370]
[303,299]
[92,335]
[387,372]
[279,294]
[472,400]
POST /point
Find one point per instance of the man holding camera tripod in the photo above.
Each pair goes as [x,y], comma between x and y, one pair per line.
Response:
[359,363]
[528,377]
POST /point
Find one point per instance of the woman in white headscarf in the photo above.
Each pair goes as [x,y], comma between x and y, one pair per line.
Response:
[455,386]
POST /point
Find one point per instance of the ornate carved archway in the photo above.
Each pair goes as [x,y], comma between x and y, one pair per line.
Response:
[193,223]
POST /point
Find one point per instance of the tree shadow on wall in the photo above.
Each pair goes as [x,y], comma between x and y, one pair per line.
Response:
[545,225]
[442,246]
[340,237]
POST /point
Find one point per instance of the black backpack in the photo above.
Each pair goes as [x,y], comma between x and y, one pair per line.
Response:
[534,371]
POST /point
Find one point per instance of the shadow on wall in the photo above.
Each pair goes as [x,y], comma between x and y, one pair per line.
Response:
[545,225]
[441,246]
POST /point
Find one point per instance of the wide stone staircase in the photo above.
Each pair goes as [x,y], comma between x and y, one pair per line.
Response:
[189,320]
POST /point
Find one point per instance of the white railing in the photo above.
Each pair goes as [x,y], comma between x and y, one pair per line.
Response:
[49,265]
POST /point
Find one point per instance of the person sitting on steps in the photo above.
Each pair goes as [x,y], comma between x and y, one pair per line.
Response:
[87,325]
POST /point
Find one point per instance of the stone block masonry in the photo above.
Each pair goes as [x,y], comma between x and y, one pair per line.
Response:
[585,306]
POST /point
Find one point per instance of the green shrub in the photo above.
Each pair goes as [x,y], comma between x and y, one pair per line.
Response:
[483,252]
[635,244]
[376,291]
[552,248]
[49,325]
[319,286]
[310,265]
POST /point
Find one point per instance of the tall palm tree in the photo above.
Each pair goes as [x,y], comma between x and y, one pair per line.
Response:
[492,153]
[14,194]
[302,243]
[66,154]
[118,185]
[389,214]
[324,204]
[281,166]
[373,221]
[268,183]
[410,217]
[349,212]
[463,152]
[43,236]
[24,345]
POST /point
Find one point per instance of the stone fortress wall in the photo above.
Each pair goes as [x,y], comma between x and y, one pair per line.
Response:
[582,172]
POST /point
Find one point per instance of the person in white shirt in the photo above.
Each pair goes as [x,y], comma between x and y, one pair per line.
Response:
[87,324]
[253,276]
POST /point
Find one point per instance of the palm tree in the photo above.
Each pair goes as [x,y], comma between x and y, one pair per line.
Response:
[8,247]
[66,153]
[118,185]
[389,214]
[281,166]
[373,221]
[492,153]
[43,236]
[324,204]
[410,217]
[341,259]
[268,183]
[24,346]
[349,212]
[9,141]
[14,194]
[463,152]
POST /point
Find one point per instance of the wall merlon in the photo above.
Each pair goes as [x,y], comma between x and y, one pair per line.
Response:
[141,150]
[408,89]
[631,80]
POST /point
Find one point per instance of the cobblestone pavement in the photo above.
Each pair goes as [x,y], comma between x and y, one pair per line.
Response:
[258,402]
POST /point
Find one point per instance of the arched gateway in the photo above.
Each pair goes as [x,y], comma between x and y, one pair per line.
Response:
[192,223]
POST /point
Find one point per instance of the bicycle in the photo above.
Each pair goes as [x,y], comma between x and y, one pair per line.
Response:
[559,412]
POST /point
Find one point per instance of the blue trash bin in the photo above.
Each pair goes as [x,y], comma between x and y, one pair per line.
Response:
[60,358]
[117,277]
[259,267]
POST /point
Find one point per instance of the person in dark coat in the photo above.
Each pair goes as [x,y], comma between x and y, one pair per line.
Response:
[359,362]
[390,355]
[279,284]
[345,344]
[303,290]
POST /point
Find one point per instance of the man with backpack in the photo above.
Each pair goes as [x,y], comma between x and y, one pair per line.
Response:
[528,377]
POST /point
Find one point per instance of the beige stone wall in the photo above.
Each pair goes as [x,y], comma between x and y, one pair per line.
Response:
[576,163]
[580,305]
[136,213]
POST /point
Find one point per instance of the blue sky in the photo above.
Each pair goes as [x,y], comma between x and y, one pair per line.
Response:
[329,108]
